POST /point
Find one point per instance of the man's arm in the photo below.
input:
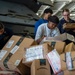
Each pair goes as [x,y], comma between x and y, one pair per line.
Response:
[57,32]
[39,35]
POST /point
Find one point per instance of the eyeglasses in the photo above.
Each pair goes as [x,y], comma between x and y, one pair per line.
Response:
[66,15]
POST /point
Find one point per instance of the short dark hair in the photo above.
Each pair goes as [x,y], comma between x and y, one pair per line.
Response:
[67,10]
[53,19]
[48,10]
[1,25]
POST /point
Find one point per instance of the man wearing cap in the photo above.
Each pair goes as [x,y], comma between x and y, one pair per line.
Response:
[47,29]
[47,12]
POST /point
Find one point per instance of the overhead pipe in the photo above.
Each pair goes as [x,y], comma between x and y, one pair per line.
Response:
[60,8]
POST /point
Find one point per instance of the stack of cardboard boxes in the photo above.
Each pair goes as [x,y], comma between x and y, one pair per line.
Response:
[25,56]
[68,60]
[12,54]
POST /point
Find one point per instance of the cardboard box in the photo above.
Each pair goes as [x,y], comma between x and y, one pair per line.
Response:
[54,60]
[36,52]
[66,72]
[7,48]
[70,47]
[61,37]
[13,60]
[9,73]
[68,61]
[58,45]
[69,26]
[40,67]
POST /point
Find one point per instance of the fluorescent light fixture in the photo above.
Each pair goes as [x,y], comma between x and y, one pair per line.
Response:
[72,14]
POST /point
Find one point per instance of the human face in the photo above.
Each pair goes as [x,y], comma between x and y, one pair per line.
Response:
[1,31]
[66,15]
[51,25]
[46,15]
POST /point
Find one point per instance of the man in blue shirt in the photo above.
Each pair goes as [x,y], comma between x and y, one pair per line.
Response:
[66,19]
[47,12]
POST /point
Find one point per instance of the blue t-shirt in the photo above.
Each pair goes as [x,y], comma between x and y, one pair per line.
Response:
[61,22]
[38,23]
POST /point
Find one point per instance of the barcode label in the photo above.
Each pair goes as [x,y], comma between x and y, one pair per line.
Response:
[9,44]
[54,60]
[34,53]
[69,60]
[17,62]
[2,54]
[14,49]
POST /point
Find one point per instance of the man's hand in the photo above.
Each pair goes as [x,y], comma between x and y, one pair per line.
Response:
[64,26]
[39,40]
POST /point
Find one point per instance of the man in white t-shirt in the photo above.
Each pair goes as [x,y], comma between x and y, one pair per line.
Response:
[47,29]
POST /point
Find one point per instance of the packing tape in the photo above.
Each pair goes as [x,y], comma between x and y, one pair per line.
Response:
[10,54]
